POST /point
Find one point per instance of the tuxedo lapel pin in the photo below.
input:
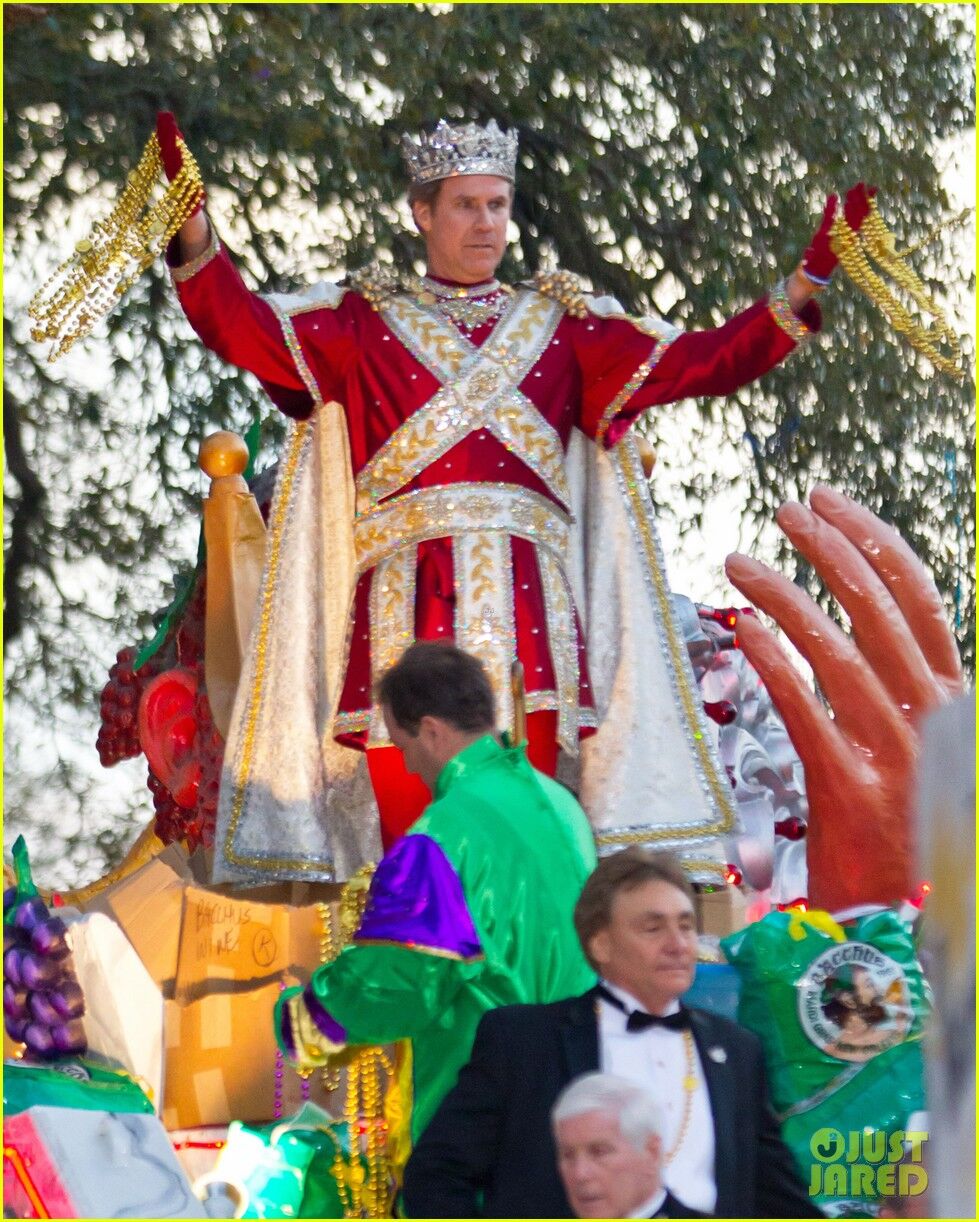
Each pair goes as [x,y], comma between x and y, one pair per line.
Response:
[717,1054]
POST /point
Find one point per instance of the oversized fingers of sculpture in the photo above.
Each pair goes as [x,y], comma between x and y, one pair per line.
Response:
[898,663]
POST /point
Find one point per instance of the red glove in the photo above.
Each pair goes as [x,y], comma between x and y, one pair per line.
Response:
[167,132]
[819,262]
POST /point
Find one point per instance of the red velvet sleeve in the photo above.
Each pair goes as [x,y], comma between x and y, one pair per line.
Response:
[625,370]
[244,329]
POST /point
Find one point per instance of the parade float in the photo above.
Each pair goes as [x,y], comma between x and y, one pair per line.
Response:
[146,997]
[143,1076]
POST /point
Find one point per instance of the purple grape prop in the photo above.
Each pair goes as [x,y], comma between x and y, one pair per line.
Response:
[14,1001]
[39,973]
[67,1000]
[42,1001]
[48,938]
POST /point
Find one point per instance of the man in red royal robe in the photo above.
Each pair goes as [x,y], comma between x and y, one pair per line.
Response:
[449,402]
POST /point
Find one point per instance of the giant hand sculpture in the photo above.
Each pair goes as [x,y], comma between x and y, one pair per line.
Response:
[899,663]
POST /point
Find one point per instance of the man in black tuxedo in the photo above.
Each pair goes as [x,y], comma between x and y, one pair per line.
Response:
[610,1150]
[489,1150]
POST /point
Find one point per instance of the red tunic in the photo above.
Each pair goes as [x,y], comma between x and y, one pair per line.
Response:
[596,373]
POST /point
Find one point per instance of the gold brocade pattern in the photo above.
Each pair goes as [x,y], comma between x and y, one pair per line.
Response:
[484,623]
[242,766]
[187,270]
[295,351]
[784,316]
[438,513]
[630,388]
[480,390]
[689,700]
[563,640]
[480,519]
[540,701]
[392,623]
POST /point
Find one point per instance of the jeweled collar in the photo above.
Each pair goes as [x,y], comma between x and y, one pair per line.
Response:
[446,290]
[378,283]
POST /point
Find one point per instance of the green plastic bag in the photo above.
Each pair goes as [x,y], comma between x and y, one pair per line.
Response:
[840,1011]
[76,1083]
[284,1170]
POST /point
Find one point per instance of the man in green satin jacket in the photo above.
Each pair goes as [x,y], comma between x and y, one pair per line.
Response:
[471,909]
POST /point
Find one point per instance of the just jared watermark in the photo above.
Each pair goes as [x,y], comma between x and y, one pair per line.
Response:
[867,1163]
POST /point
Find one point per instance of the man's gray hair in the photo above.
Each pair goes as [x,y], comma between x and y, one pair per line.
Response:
[639,1114]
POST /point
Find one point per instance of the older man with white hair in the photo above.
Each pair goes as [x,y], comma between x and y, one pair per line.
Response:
[608,1133]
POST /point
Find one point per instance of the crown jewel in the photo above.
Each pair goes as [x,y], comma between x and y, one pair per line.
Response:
[468,149]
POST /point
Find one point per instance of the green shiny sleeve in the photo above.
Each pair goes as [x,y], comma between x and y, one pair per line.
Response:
[382,993]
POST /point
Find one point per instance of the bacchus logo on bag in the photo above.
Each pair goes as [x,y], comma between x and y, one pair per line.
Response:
[854,1002]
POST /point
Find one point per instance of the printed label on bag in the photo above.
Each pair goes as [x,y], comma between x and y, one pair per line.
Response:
[854,1002]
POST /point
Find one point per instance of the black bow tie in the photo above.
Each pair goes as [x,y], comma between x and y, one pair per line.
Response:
[639,1020]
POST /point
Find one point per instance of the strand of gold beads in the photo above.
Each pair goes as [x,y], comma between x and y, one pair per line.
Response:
[86,287]
[875,239]
[375,1197]
[329,1074]
[364,1193]
[882,247]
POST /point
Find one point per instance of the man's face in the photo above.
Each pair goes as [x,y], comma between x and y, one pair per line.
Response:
[465,229]
[417,749]
[604,1175]
[649,947]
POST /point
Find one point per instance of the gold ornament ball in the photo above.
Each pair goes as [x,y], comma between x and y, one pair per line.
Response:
[647,454]
[223,454]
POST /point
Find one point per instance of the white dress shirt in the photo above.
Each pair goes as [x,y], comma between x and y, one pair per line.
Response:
[656,1058]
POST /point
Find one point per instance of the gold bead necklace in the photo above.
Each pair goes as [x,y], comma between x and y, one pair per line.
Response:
[875,240]
[689,1086]
[86,287]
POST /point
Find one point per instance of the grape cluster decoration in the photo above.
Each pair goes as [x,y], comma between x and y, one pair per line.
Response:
[118,737]
[42,1001]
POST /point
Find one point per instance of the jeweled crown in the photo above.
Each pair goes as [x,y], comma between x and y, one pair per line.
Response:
[449,151]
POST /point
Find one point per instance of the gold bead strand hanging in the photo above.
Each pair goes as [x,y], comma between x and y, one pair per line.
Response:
[875,240]
[86,287]
[882,247]
[329,1074]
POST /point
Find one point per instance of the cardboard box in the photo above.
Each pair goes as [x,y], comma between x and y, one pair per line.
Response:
[222,1063]
[148,905]
[721,912]
[244,939]
[220,956]
[237,950]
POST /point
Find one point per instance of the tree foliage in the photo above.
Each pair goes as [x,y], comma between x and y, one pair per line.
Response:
[676,156]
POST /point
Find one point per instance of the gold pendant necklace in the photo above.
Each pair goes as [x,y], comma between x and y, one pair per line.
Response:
[689,1086]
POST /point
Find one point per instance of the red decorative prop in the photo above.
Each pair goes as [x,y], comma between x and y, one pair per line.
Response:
[167,729]
[721,711]
[185,748]
[792,828]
